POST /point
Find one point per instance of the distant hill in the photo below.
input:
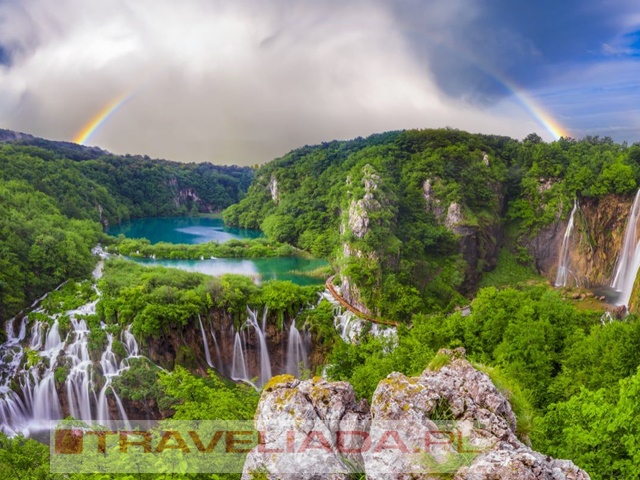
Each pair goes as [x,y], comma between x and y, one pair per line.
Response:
[136,185]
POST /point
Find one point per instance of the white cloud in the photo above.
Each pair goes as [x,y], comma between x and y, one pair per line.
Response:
[229,82]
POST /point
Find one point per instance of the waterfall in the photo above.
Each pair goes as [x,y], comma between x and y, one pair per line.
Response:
[296,352]
[350,327]
[36,402]
[79,382]
[562,276]
[264,362]
[129,342]
[109,366]
[13,412]
[629,260]
[204,341]
[238,365]
[217,349]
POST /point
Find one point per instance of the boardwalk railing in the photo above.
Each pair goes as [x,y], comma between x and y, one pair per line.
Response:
[354,310]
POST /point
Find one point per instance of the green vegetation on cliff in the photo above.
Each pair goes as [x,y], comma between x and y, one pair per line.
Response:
[39,246]
[157,300]
[571,375]
[111,188]
[413,219]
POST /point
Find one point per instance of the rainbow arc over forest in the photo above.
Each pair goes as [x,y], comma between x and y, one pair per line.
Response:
[101,117]
[531,105]
[537,111]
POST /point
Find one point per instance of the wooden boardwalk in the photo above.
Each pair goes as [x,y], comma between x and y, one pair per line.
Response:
[354,310]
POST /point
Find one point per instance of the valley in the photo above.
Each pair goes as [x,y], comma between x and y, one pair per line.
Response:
[448,240]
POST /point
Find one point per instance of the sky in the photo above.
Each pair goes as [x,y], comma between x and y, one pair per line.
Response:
[245,81]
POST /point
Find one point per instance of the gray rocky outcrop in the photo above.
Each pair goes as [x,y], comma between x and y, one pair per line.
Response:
[315,411]
[449,422]
[358,220]
[358,223]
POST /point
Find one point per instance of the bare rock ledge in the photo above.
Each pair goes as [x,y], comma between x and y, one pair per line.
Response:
[469,426]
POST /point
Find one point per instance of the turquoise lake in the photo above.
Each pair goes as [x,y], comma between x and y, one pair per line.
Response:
[181,230]
[202,229]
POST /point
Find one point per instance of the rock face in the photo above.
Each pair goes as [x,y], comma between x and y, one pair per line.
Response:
[479,240]
[454,216]
[447,423]
[594,246]
[433,203]
[484,422]
[273,189]
[358,223]
[312,411]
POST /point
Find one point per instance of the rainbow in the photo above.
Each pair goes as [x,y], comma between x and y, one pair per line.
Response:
[532,106]
[544,118]
[538,112]
[101,117]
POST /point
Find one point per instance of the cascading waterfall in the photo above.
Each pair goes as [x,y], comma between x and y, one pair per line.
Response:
[110,369]
[204,342]
[12,409]
[346,323]
[297,356]
[46,404]
[37,403]
[130,344]
[562,276]
[264,362]
[79,383]
[349,326]
[629,260]
[239,364]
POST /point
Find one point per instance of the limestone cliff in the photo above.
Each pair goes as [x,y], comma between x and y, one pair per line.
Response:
[479,236]
[469,424]
[356,225]
[273,189]
[594,245]
[290,411]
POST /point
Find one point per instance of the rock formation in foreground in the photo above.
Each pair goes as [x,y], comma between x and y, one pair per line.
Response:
[447,423]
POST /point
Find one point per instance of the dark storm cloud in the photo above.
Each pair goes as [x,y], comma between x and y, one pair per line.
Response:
[517,40]
[244,81]
[5,57]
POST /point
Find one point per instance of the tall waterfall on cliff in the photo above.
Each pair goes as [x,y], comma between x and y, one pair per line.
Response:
[264,360]
[629,260]
[207,355]
[297,356]
[564,271]
[238,363]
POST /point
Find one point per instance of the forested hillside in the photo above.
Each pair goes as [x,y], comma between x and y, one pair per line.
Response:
[413,219]
[418,222]
[55,196]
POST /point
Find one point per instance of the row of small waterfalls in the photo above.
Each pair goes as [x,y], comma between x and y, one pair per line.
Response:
[30,359]
[39,359]
[627,263]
